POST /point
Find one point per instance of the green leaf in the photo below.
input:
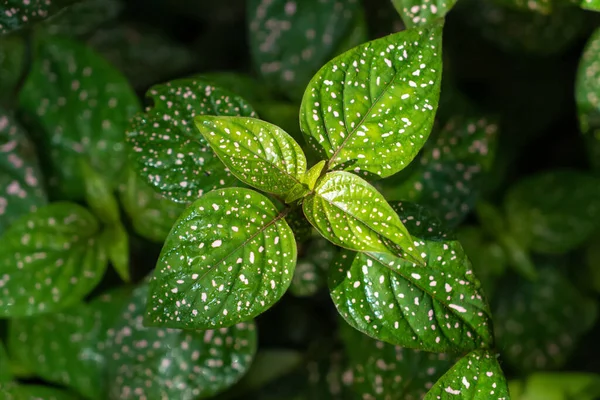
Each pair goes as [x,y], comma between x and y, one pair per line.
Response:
[160,363]
[229,257]
[243,85]
[258,153]
[151,214]
[449,174]
[384,371]
[291,40]
[168,150]
[538,323]
[16,14]
[592,5]
[352,214]
[34,392]
[419,12]
[49,259]
[20,178]
[79,106]
[5,372]
[554,211]
[67,348]
[83,17]
[560,386]
[311,269]
[476,376]
[116,242]
[371,109]
[99,195]
[587,87]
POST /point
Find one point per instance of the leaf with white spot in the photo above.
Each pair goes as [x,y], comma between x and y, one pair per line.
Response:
[78,106]
[168,150]
[258,153]
[371,109]
[161,363]
[21,186]
[554,211]
[311,269]
[538,324]
[422,12]
[291,39]
[151,214]
[384,371]
[437,307]
[352,214]
[587,87]
[230,256]
[67,348]
[16,14]
[476,376]
[14,391]
[49,259]
[448,176]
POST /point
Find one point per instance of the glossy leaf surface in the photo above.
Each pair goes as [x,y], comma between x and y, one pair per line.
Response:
[258,153]
[21,182]
[448,176]
[351,213]
[158,363]
[438,307]
[169,152]
[68,347]
[555,211]
[370,110]
[476,376]
[291,40]
[49,259]
[587,87]
[229,257]
[80,106]
[15,14]
[539,323]
[151,214]
[384,371]
[418,12]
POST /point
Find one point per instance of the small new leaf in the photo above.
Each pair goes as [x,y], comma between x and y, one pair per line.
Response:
[229,257]
[142,360]
[258,153]
[351,213]
[476,376]
[168,150]
[50,259]
[437,307]
[371,109]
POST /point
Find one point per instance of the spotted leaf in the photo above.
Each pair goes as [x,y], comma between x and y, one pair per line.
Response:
[476,376]
[258,153]
[49,259]
[351,213]
[79,106]
[21,183]
[229,257]
[311,270]
[448,176]
[15,14]
[587,87]
[371,109]
[437,307]
[161,363]
[539,323]
[553,212]
[421,12]
[384,371]
[14,391]
[169,151]
[67,347]
[151,214]
[291,40]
